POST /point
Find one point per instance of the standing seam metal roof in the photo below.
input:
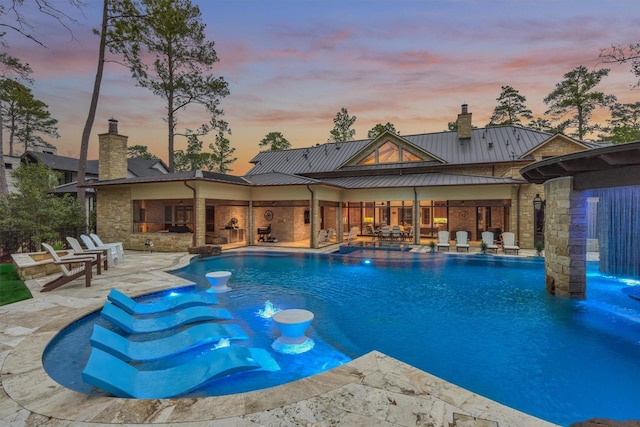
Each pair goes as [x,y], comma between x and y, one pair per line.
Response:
[487,145]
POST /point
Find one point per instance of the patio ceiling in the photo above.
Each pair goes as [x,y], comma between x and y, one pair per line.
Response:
[612,166]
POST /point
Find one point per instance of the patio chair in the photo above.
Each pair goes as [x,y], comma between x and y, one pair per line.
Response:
[112,256]
[509,242]
[331,233]
[118,245]
[102,254]
[462,241]
[183,376]
[487,238]
[353,234]
[71,268]
[322,236]
[385,233]
[443,240]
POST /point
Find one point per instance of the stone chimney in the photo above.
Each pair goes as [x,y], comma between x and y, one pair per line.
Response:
[464,124]
[113,153]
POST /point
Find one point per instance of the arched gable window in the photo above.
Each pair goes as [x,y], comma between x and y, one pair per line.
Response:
[389,153]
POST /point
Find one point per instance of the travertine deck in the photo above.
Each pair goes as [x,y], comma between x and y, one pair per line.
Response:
[374,390]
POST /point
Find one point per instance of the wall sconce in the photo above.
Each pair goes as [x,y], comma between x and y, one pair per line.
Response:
[537,202]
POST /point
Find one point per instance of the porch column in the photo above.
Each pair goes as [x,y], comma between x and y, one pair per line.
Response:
[565,233]
[200,221]
[315,221]
[250,226]
[340,230]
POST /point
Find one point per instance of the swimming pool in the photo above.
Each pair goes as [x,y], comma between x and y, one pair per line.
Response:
[482,322]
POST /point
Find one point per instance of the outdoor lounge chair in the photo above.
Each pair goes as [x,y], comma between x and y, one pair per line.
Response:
[118,245]
[121,379]
[353,234]
[462,240]
[112,256]
[330,234]
[509,242]
[140,351]
[131,306]
[443,240]
[487,238]
[102,254]
[322,236]
[134,325]
[71,268]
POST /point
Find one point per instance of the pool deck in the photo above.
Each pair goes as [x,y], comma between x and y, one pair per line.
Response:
[373,390]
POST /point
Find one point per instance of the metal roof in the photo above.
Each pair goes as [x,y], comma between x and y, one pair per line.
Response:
[178,176]
[277,178]
[416,180]
[486,145]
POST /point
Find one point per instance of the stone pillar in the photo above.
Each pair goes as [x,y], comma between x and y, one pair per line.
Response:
[315,222]
[200,215]
[565,239]
[112,153]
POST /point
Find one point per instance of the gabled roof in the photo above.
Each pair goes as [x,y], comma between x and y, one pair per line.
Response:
[137,166]
[487,145]
[60,163]
[146,167]
[382,139]
[555,137]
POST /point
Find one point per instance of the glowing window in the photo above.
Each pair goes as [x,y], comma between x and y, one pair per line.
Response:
[388,153]
[369,160]
[408,157]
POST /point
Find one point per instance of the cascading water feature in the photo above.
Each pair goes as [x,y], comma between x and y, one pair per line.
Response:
[619,230]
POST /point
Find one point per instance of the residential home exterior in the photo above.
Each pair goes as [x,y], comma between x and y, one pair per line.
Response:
[462,180]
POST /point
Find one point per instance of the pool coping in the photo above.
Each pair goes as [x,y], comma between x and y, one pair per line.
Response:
[372,389]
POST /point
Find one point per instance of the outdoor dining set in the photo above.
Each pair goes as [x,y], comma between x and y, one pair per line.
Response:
[395,233]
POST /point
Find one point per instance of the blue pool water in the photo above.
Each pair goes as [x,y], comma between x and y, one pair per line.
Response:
[484,323]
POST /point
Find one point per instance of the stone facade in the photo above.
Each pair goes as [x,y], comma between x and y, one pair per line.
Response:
[565,235]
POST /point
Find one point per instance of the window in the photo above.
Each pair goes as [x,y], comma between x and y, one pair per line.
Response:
[8,166]
[389,153]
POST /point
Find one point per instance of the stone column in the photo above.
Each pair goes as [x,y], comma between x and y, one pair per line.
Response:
[565,239]
[200,215]
[315,221]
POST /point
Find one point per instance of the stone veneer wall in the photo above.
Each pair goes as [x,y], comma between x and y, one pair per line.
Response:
[565,239]
[114,211]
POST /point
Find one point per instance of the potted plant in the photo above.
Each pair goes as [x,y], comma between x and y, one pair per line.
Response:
[539,246]
[432,245]
[483,248]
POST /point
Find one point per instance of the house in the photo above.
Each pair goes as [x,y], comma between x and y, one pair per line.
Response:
[462,180]
[68,169]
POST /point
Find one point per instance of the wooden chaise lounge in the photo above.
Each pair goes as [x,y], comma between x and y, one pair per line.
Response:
[71,268]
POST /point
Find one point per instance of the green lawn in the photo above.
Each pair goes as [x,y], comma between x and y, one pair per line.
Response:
[12,289]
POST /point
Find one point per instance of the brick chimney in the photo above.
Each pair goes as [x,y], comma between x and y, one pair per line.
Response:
[464,124]
[113,153]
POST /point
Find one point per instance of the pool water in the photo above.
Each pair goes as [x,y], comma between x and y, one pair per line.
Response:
[484,323]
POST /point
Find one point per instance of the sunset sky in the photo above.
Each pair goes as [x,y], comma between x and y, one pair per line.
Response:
[291,66]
